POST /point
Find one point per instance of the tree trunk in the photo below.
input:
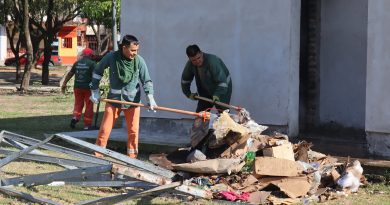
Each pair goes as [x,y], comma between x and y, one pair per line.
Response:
[11,33]
[48,40]
[98,41]
[29,49]
[45,64]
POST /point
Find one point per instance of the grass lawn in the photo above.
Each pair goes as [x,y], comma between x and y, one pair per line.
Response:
[38,114]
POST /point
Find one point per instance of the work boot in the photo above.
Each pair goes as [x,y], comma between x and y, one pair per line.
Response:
[73,123]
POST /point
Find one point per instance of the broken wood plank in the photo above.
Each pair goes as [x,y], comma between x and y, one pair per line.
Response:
[206,194]
[140,174]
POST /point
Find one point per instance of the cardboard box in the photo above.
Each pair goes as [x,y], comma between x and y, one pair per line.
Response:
[284,151]
[270,166]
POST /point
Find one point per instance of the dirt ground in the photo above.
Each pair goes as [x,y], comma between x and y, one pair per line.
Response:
[8,75]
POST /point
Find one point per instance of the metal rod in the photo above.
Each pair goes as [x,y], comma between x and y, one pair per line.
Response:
[124,158]
[69,163]
[131,195]
[30,141]
[26,196]
[16,155]
[46,178]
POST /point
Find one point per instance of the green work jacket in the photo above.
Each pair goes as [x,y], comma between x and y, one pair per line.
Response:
[130,91]
[212,78]
[82,70]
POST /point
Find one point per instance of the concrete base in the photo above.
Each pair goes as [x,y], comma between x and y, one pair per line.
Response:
[378,143]
[337,141]
[153,131]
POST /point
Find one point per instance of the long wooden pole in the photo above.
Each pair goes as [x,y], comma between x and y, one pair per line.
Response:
[204,115]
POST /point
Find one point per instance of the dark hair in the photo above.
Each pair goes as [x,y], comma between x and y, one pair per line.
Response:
[192,50]
[129,39]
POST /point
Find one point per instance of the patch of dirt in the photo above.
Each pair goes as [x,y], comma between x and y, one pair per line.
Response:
[8,75]
[8,84]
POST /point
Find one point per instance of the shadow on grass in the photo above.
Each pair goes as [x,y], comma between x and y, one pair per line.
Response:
[8,77]
[40,127]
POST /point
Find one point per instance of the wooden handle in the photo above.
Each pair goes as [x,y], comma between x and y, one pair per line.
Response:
[218,103]
[204,115]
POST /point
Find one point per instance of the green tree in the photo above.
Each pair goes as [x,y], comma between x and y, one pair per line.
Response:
[49,16]
[99,15]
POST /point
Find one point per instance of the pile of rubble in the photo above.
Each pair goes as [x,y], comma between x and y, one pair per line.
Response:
[233,158]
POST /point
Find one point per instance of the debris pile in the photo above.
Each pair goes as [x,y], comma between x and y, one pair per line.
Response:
[233,158]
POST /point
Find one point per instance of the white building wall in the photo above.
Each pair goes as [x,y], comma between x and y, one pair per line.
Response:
[257,39]
[378,75]
[343,62]
[3,45]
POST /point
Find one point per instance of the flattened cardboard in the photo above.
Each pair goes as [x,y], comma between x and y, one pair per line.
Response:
[258,197]
[294,186]
[270,166]
[284,151]
[212,166]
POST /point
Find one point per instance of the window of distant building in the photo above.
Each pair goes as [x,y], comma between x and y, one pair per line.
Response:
[67,42]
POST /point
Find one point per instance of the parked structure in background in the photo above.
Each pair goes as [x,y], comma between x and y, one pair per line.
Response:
[3,45]
[71,40]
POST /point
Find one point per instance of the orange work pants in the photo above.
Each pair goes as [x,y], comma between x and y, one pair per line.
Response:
[111,114]
[81,97]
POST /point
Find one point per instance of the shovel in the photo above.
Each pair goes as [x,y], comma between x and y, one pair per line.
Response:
[243,114]
[204,115]
[219,103]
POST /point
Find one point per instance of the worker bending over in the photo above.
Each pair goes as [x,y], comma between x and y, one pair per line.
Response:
[211,76]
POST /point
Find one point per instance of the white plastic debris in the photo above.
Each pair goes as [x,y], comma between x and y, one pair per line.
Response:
[351,178]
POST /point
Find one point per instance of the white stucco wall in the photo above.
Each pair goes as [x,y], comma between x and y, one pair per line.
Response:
[343,62]
[257,39]
[3,45]
[378,67]
[378,74]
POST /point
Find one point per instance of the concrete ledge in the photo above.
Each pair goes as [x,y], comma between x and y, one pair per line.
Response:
[378,143]
[371,166]
[120,135]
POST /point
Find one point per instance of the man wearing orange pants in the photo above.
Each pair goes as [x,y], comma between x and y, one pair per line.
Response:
[82,70]
[127,70]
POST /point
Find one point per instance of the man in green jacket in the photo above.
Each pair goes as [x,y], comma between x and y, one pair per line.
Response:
[127,70]
[211,76]
[82,70]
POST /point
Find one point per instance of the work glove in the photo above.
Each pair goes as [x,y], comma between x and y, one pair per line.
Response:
[151,102]
[192,96]
[215,98]
[95,96]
